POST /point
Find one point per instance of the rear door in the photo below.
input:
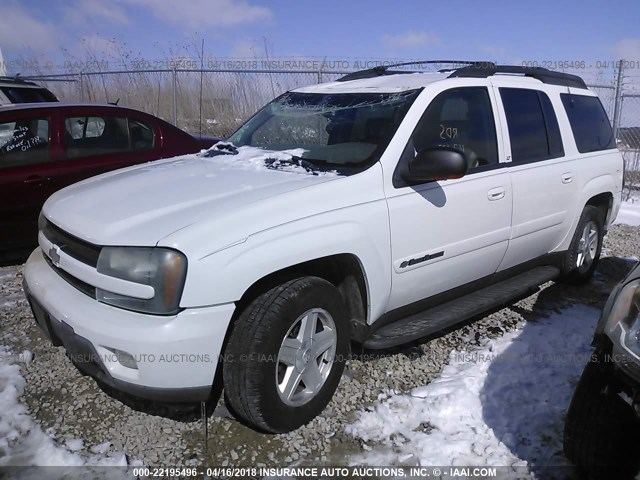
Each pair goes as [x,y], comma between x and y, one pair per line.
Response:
[543,177]
[95,142]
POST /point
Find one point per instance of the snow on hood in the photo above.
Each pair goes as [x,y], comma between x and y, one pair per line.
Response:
[140,205]
[259,158]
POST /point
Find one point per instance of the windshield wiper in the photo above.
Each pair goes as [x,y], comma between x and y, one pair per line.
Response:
[296,161]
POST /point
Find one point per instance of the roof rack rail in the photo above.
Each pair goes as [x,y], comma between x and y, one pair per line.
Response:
[370,73]
[381,70]
[16,79]
[539,73]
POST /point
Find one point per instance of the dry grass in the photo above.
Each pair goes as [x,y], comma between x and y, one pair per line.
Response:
[209,102]
[213,103]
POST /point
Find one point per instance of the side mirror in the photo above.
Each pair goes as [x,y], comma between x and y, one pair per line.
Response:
[437,163]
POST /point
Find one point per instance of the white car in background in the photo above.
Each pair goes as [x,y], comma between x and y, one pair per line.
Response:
[16,90]
[378,209]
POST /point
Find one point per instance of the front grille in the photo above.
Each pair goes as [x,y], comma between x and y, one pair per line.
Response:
[73,281]
[81,250]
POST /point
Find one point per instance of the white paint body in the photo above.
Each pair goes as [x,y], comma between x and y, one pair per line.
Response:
[237,224]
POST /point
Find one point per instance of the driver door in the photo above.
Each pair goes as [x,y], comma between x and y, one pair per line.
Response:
[447,233]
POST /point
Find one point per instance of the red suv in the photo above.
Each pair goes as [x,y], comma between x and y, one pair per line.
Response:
[47,146]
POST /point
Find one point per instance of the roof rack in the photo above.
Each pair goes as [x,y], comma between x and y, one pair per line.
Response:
[474,69]
[539,73]
[15,79]
[384,69]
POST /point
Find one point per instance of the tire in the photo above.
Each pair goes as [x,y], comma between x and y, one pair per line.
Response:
[583,254]
[602,435]
[263,362]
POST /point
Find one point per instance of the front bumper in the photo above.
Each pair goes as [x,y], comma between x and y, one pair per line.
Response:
[175,357]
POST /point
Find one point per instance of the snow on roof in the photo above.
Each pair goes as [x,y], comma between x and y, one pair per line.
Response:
[383,84]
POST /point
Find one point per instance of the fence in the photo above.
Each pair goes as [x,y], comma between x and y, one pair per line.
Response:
[213,102]
[216,101]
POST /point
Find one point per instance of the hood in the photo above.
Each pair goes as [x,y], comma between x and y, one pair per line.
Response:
[140,205]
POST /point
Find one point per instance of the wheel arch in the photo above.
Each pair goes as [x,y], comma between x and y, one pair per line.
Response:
[345,271]
[604,203]
[599,192]
[597,195]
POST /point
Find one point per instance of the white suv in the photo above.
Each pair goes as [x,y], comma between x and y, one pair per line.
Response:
[16,90]
[378,209]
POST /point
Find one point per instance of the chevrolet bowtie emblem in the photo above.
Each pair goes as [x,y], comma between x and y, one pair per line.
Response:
[54,256]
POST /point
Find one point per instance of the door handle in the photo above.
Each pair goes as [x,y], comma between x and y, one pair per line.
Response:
[567,177]
[36,179]
[496,193]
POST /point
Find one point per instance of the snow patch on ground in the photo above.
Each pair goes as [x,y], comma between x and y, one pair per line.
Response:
[22,442]
[101,448]
[75,444]
[501,405]
[629,213]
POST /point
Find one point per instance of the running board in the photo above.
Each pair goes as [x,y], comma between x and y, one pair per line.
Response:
[428,322]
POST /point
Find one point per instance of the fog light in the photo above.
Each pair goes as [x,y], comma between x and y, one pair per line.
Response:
[126,359]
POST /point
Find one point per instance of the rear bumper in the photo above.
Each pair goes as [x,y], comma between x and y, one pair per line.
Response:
[175,357]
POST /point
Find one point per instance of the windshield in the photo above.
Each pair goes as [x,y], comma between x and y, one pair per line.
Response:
[339,130]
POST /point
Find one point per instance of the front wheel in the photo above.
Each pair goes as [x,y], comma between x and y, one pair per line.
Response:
[286,354]
[582,257]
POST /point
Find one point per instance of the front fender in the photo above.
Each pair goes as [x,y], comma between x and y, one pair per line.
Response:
[361,230]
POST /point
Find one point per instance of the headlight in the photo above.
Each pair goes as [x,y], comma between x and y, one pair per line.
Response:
[42,221]
[623,324]
[161,268]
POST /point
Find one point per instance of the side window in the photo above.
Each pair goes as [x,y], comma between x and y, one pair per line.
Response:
[461,118]
[142,137]
[84,127]
[93,136]
[94,127]
[24,142]
[556,149]
[589,123]
[533,127]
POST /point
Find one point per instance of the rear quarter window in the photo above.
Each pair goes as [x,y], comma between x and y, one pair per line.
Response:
[589,123]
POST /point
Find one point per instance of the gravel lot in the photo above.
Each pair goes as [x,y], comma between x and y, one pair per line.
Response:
[60,398]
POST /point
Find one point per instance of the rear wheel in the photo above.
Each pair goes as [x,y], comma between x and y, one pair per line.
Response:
[601,435]
[582,257]
[286,354]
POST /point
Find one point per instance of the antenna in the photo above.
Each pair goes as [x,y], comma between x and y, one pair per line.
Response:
[201,74]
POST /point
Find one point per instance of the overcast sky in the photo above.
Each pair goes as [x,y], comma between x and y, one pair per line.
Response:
[505,31]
